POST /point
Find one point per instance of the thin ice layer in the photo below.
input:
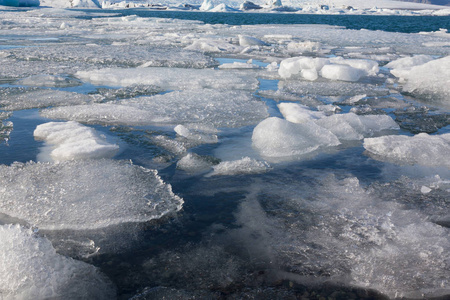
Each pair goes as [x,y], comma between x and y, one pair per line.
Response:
[71,140]
[218,108]
[84,194]
[5,126]
[172,78]
[31,269]
[245,165]
[278,138]
[421,149]
[25,98]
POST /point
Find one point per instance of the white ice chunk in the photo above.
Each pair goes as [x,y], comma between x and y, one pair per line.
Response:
[350,126]
[218,108]
[367,66]
[297,113]
[341,72]
[239,65]
[246,165]
[31,269]
[196,134]
[408,62]
[306,66]
[45,80]
[431,79]
[172,78]
[71,140]
[84,194]
[193,163]
[421,149]
[278,138]
[247,41]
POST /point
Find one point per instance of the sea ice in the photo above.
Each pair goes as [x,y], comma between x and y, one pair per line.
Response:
[276,138]
[172,78]
[297,113]
[245,165]
[31,269]
[71,140]
[421,149]
[247,41]
[5,127]
[193,163]
[25,98]
[341,72]
[45,80]
[196,134]
[350,126]
[429,80]
[217,108]
[84,194]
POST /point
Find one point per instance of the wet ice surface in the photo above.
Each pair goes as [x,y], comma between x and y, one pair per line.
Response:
[184,159]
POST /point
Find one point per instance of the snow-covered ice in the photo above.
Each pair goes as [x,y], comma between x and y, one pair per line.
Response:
[71,140]
[84,194]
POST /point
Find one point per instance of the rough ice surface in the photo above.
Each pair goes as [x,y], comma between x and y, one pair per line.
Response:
[193,163]
[429,80]
[5,127]
[218,108]
[25,98]
[31,269]
[84,194]
[246,165]
[276,138]
[197,134]
[353,127]
[71,140]
[421,149]
[48,81]
[171,78]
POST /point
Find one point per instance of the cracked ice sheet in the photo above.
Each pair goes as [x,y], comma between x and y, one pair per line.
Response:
[31,269]
[172,78]
[84,194]
[218,108]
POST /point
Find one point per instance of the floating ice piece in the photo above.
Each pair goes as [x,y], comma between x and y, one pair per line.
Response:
[246,165]
[71,140]
[350,126]
[215,107]
[239,65]
[5,127]
[421,149]
[172,78]
[48,81]
[25,98]
[367,66]
[31,269]
[300,47]
[430,80]
[278,138]
[408,62]
[341,72]
[307,67]
[84,194]
[193,163]
[247,41]
[197,135]
[297,113]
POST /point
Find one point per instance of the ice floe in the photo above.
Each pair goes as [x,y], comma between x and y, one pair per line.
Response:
[421,149]
[276,138]
[71,140]
[84,194]
[31,269]
[215,107]
[171,78]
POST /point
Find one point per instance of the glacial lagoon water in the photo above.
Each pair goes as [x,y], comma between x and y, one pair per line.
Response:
[221,160]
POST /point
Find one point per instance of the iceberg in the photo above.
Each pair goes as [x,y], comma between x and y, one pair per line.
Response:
[84,194]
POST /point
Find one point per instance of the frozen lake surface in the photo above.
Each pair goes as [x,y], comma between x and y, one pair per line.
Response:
[146,157]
